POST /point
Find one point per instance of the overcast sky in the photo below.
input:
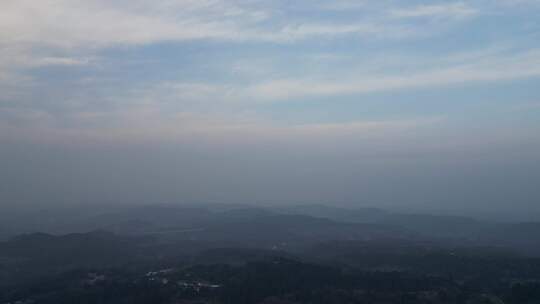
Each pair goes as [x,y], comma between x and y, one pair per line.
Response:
[416,105]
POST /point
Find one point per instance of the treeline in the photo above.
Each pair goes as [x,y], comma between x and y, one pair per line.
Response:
[276,280]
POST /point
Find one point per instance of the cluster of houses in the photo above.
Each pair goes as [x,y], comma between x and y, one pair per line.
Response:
[194,285]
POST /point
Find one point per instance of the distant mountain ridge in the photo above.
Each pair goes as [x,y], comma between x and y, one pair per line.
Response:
[294,224]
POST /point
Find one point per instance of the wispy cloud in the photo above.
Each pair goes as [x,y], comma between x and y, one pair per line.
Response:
[445,10]
[148,123]
[496,68]
[61,61]
[74,33]
[98,23]
[344,5]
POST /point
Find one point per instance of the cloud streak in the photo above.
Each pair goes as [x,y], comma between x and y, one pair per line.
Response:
[490,65]
[497,68]
[144,124]
[98,23]
[445,10]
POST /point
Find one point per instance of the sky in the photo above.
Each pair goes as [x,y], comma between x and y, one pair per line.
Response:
[411,105]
